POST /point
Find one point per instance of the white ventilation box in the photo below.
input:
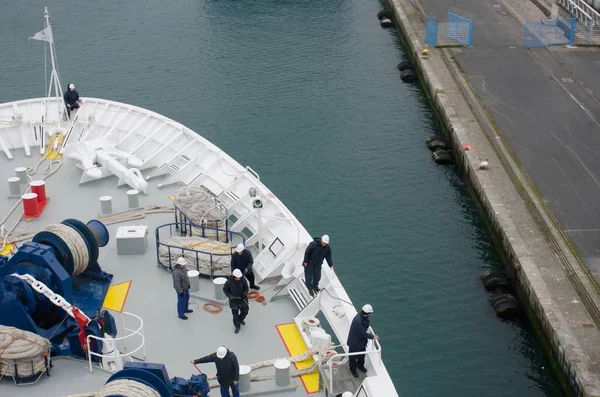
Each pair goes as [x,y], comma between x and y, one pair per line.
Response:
[132,240]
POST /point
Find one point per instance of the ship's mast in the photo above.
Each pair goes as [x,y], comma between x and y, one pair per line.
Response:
[54,80]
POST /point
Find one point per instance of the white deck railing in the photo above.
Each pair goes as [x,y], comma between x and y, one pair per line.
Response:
[139,331]
[581,10]
[336,358]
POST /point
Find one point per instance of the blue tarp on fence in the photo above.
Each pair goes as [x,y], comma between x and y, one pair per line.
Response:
[549,32]
[460,28]
[431,31]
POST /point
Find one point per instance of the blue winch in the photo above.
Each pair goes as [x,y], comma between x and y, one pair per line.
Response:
[155,377]
[53,286]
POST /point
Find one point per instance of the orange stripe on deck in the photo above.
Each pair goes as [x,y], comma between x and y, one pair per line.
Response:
[295,346]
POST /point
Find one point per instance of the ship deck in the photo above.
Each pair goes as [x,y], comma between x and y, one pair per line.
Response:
[169,340]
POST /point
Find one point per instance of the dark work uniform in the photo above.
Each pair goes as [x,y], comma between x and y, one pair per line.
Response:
[71,99]
[313,257]
[181,283]
[244,262]
[228,371]
[357,341]
[239,307]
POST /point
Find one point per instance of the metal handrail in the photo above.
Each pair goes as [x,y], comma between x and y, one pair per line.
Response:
[183,249]
[377,350]
[185,221]
[593,16]
[139,331]
[254,173]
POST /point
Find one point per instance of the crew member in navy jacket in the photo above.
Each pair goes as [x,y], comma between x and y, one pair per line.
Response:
[242,259]
[236,289]
[228,370]
[71,98]
[358,338]
[316,251]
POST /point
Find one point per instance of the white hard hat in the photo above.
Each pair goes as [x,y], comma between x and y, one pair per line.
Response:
[221,351]
[367,309]
[181,261]
[240,248]
[237,273]
[347,394]
[325,239]
[72,86]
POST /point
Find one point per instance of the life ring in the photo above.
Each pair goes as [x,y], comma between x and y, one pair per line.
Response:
[253,294]
[260,299]
[212,308]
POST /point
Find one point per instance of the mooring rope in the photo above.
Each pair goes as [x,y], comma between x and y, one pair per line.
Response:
[29,353]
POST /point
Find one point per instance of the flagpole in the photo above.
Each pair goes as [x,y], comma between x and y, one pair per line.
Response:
[54,75]
[56,87]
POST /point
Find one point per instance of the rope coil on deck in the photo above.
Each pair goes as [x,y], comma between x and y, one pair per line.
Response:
[76,244]
[109,220]
[27,351]
[122,387]
[212,308]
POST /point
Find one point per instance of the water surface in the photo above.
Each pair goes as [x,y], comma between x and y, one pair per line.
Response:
[307,94]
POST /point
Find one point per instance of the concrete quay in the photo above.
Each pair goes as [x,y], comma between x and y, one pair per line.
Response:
[552,278]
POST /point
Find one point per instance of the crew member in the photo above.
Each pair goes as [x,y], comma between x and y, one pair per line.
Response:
[358,338]
[236,289]
[316,251]
[71,98]
[242,259]
[181,283]
[228,370]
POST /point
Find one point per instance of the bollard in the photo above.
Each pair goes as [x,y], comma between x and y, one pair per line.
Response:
[282,372]
[219,282]
[134,200]
[244,383]
[14,186]
[105,205]
[39,188]
[194,276]
[30,205]
[21,173]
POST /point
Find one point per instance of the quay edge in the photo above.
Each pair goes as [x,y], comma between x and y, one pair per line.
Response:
[436,74]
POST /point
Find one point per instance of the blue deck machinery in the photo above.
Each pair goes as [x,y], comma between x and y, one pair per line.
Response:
[54,287]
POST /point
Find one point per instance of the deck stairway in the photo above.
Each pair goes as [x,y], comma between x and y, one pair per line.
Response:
[582,11]
[342,379]
[297,290]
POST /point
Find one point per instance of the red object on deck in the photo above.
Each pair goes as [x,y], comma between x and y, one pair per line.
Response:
[82,321]
[39,188]
[30,205]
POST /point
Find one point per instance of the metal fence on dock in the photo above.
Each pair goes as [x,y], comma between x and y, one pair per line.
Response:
[549,32]
[457,32]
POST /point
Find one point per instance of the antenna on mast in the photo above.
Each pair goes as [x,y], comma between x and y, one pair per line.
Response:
[46,35]
[54,75]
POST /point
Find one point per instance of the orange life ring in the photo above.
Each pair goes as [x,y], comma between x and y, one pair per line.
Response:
[260,299]
[212,308]
[253,294]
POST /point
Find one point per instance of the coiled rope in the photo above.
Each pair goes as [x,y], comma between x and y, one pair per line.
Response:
[76,244]
[301,357]
[109,220]
[26,351]
[122,387]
